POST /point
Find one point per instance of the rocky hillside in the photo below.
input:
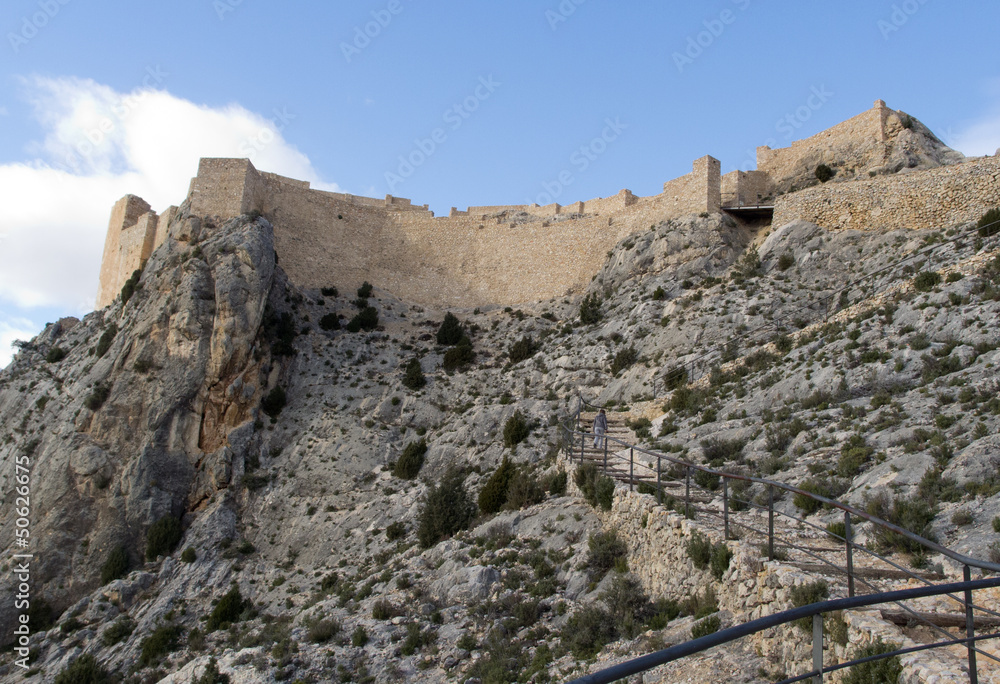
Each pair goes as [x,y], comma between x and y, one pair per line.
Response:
[231,477]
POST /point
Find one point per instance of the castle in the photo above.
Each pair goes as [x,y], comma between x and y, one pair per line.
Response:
[506,255]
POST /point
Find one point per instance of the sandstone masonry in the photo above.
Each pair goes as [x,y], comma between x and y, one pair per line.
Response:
[513,254]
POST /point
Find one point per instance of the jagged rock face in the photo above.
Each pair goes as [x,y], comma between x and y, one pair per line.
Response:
[181,379]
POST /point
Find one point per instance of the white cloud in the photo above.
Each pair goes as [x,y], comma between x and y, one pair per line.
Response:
[99,145]
[14,329]
[979,138]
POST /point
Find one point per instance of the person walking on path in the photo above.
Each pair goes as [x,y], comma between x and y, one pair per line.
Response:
[600,428]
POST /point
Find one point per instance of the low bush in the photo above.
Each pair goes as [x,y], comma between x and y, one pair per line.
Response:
[413,375]
[366,319]
[411,460]
[95,400]
[322,631]
[926,281]
[627,604]
[84,670]
[989,223]
[709,625]
[915,515]
[853,455]
[587,631]
[330,322]
[459,356]
[493,495]
[189,555]
[116,565]
[211,674]
[718,451]
[447,508]
[624,359]
[556,483]
[162,641]
[394,531]
[117,631]
[523,349]
[516,430]
[786,261]
[55,355]
[329,292]
[365,291]
[274,401]
[699,550]
[605,552]
[824,173]
[720,559]
[884,670]
[524,490]
[163,537]
[130,286]
[597,489]
[228,610]
[804,594]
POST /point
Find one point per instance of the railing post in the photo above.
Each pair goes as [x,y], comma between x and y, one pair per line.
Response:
[659,487]
[687,491]
[583,446]
[725,507]
[605,438]
[970,627]
[770,522]
[848,540]
[818,648]
[631,469]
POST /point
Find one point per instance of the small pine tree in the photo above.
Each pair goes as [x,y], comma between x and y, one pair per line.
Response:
[365,291]
[411,460]
[516,430]
[116,566]
[163,537]
[84,670]
[330,321]
[274,401]
[413,377]
[451,331]
[228,610]
[447,509]
[493,495]
[590,309]
[462,354]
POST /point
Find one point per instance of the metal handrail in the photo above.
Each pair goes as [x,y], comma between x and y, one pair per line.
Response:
[647,662]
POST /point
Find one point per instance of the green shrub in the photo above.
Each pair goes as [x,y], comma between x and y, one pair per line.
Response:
[493,495]
[627,605]
[394,531]
[329,292]
[597,489]
[459,356]
[718,451]
[282,331]
[915,515]
[807,504]
[989,223]
[605,551]
[228,610]
[359,637]
[117,631]
[330,321]
[824,173]
[786,261]
[411,460]
[885,670]
[557,483]
[659,294]
[55,355]
[705,479]
[675,377]
[274,401]
[805,594]
[604,493]
[95,400]
[211,674]
[163,537]
[837,531]
[853,454]
[926,281]
[450,331]
[365,291]
[587,631]
[590,309]
[413,375]
[322,631]
[709,625]
[162,641]
[116,565]
[84,670]
[524,490]
[130,286]
[516,430]
[523,349]
[447,508]
[366,319]
[699,550]
[189,555]
[624,359]
[719,561]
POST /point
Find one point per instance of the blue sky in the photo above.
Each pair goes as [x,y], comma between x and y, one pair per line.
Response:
[489,102]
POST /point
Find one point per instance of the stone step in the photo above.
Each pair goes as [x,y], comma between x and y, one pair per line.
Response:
[904,618]
[868,573]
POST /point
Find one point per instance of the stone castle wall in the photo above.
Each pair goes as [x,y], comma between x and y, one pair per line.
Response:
[925,199]
[513,254]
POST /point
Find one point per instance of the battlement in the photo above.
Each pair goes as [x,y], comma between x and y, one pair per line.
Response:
[485,255]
